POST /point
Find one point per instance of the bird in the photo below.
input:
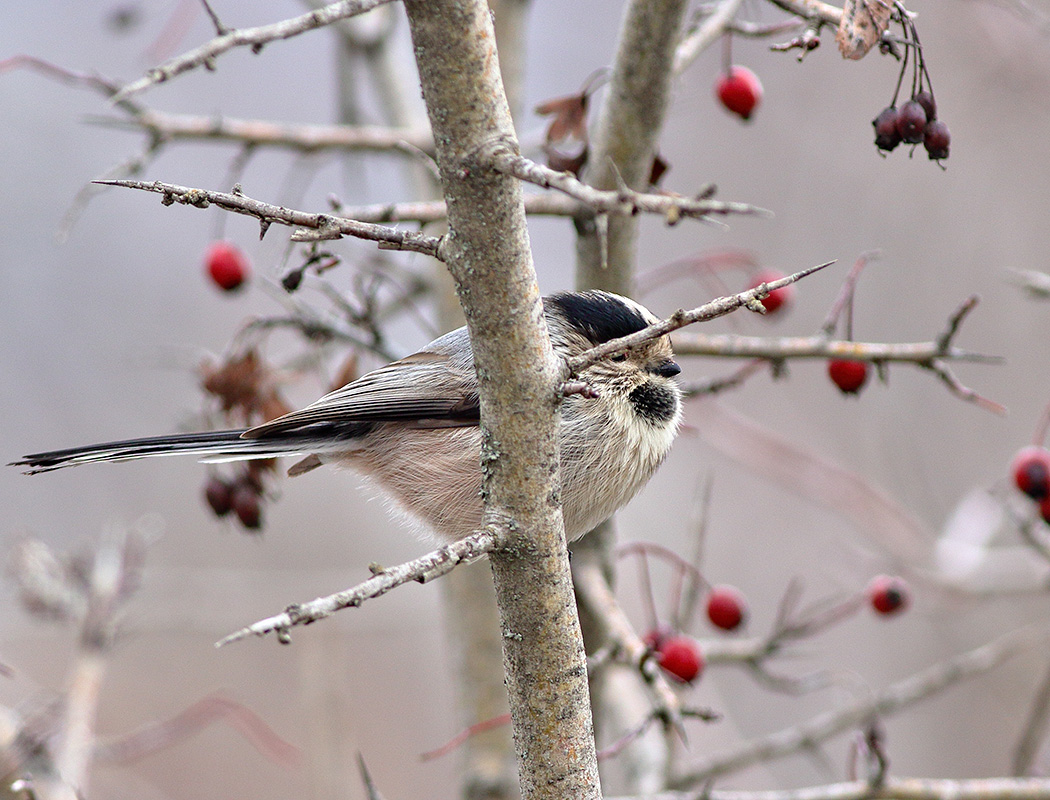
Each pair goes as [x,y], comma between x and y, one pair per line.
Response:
[411,427]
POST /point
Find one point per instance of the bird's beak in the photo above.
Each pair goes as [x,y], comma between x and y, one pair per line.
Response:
[667,369]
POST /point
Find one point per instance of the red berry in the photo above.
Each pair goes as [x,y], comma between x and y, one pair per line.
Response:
[247,506]
[777,297]
[219,494]
[1031,471]
[929,105]
[888,595]
[680,658]
[226,265]
[726,607]
[740,91]
[886,136]
[849,376]
[911,122]
[937,141]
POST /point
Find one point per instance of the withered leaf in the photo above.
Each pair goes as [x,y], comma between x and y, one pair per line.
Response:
[862,25]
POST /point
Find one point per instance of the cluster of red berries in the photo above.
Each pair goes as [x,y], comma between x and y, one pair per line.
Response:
[1031,474]
[242,495]
[680,656]
[914,122]
[888,594]
[739,90]
[226,265]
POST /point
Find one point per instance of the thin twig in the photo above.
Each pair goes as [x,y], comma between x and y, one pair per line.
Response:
[422,569]
[253,37]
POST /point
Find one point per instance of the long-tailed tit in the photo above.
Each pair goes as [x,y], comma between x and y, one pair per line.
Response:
[411,427]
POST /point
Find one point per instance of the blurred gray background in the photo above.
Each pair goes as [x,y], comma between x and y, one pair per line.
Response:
[101,334]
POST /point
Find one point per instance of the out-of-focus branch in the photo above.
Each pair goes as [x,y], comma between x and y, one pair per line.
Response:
[778,348]
[894,698]
[423,569]
[1034,733]
[254,37]
[258,132]
[318,226]
[594,591]
[706,34]
[888,789]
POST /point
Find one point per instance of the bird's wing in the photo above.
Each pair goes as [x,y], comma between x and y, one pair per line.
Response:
[432,387]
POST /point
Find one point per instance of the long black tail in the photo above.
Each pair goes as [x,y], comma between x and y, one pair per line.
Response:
[215,445]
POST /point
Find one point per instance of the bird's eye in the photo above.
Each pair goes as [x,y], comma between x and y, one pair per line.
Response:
[619,357]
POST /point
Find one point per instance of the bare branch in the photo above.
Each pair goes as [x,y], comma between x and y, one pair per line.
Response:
[681,318]
[889,789]
[253,37]
[594,590]
[320,226]
[895,697]
[302,136]
[778,348]
[1034,732]
[422,569]
[705,35]
[623,201]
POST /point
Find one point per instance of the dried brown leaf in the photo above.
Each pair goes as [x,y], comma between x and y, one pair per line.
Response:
[861,27]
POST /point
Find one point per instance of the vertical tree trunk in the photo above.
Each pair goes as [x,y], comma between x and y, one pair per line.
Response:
[487,250]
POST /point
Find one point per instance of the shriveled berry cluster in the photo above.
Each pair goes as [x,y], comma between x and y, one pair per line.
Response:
[913,123]
[241,494]
[916,121]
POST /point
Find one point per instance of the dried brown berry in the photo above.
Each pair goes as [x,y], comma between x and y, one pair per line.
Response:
[925,99]
[938,140]
[886,136]
[219,494]
[911,122]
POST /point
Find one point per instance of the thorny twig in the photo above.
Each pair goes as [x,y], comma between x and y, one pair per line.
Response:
[623,201]
[313,226]
[423,569]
